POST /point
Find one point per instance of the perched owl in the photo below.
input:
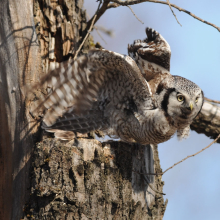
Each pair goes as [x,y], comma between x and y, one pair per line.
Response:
[137,99]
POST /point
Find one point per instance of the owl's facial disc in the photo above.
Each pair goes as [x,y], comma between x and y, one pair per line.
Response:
[184,105]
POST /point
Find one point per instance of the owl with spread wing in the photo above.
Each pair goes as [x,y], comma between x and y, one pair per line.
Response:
[132,97]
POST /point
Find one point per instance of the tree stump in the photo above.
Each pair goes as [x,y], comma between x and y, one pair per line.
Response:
[87,179]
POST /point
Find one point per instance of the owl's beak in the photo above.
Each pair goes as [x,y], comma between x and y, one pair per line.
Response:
[191,106]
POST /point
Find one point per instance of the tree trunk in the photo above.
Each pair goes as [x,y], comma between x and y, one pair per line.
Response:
[19,61]
[76,180]
[87,179]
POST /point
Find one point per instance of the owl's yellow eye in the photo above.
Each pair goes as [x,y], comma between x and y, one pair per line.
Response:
[197,99]
[180,98]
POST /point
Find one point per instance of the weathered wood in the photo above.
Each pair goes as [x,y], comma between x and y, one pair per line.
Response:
[19,61]
[87,179]
[59,25]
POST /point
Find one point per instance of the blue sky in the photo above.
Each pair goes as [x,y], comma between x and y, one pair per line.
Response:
[192,187]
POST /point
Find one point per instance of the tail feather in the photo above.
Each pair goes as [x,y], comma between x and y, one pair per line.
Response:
[63,135]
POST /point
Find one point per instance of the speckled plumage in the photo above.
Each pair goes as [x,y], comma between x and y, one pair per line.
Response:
[134,99]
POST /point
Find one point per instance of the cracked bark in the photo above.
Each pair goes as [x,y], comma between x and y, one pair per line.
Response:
[92,180]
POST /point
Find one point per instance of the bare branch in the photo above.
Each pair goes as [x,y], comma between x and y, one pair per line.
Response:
[192,154]
[97,30]
[99,12]
[112,5]
[90,25]
[208,120]
[173,13]
[76,54]
[133,2]
[100,34]
[135,14]
[211,100]
[110,33]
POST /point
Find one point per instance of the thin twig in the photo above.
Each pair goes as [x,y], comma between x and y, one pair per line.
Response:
[173,13]
[185,158]
[105,31]
[192,154]
[213,101]
[133,2]
[85,38]
[99,12]
[134,14]
[97,30]
[92,21]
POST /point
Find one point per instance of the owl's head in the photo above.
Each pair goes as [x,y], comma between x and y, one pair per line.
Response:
[182,100]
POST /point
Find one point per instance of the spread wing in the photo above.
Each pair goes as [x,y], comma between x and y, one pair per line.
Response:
[152,56]
[82,88]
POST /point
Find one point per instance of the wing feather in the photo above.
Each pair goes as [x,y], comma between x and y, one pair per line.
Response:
[78,83]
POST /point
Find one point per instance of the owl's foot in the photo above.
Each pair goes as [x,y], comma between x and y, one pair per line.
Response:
[154,49]
[145,47]
[152,35]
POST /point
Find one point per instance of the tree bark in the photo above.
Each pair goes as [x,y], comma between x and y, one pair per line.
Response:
[87,179]
[19,61]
